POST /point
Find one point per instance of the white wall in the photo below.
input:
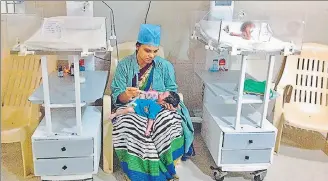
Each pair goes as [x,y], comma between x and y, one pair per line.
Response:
[22,26]
[173,16]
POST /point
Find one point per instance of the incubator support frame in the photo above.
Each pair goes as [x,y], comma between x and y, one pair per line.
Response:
[228,160]
[237,129]
[266,93]
[46,94]
[44,133]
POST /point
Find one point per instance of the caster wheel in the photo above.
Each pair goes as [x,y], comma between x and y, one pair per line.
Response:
[260,175]
[218,179]
[258,178]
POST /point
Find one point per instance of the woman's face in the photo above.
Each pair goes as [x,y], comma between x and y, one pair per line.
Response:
[146,53]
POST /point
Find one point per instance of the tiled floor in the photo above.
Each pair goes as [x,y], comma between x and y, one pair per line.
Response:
[291,164]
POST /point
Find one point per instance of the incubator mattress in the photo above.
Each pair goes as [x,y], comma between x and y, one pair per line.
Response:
[210,30]
[69,33]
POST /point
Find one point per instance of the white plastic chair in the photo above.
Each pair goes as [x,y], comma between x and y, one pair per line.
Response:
[20,76]
[304,86]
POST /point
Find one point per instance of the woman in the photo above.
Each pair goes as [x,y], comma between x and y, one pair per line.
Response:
[148,158]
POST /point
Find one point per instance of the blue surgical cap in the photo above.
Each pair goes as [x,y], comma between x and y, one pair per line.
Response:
[149,35]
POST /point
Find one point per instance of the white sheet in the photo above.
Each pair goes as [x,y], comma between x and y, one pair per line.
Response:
[69,33]
[211,31]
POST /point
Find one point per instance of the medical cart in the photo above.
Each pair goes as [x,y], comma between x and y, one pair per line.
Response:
[67,143]
[234,127]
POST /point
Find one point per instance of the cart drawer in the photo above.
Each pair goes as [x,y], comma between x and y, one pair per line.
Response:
[249,140]
[63,166]
[245,156]
[62,148]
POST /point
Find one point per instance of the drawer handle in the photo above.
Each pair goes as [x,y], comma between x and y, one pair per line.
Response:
[250,141]
[246,157]
[63,149]
[64,167]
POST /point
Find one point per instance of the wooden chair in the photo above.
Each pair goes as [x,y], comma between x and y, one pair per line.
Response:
[19,118]
[304,86]
[124,49]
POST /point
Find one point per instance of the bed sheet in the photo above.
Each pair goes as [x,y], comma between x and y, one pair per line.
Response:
[69,33]
[210,30]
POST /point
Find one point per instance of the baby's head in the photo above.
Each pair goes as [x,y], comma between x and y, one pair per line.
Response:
[247,26]
[169,97]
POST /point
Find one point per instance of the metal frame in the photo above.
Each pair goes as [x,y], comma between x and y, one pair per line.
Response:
[7,7]
[244,56]
[48,105]
[23,51]
[266,93]
[45,80]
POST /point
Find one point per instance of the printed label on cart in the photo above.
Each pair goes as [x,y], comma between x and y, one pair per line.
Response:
[52,28]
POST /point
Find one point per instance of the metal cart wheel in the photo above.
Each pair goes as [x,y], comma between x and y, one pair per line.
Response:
[218,178]
[218,173]
[259,176]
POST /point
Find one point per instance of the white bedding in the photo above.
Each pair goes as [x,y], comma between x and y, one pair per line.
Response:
[69,33]
[211,31]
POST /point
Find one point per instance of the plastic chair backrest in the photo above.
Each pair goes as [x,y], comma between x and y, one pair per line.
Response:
[20,76]
[125,49]
[308,75]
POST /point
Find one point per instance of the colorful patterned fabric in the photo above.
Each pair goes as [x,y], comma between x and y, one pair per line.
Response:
[148,158]
[144,77]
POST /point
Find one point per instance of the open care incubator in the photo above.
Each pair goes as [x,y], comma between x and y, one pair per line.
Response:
[66,144]
[235,127]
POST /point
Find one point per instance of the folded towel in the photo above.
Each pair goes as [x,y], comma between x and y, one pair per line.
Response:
[255,87]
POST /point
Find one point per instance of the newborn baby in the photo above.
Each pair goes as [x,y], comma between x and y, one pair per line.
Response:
[149,108]
[246,30]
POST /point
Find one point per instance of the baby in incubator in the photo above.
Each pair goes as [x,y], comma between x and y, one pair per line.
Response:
[246,30]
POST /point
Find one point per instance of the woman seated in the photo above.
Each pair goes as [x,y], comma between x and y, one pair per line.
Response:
[150,158]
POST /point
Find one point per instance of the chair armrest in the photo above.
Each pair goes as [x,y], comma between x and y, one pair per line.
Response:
[285,96]
[278,108]
[107,143]
[107,106]
[34,117]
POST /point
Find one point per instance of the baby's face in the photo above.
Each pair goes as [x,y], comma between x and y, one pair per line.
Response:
[162,96]
[250,27]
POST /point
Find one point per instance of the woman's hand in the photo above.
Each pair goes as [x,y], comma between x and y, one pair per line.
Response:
[132,92]
[128,94]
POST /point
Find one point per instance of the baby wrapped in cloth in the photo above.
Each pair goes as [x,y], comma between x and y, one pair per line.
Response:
[148,105]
